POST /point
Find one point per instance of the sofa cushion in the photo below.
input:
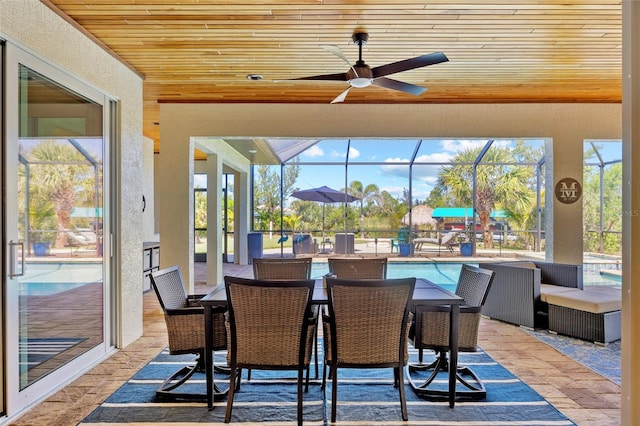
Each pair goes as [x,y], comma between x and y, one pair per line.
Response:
[587,300]
[521,264]
[547,289]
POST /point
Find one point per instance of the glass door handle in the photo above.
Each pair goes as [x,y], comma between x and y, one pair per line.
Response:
[16,250]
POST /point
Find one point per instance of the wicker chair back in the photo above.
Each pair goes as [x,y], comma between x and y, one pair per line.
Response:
[473,285]
[358,267]
[282,268]
[271,327]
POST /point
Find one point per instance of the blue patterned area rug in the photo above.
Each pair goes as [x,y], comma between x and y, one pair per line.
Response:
[365,397]
[603,360]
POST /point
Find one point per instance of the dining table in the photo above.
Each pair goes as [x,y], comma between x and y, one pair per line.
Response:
[425,293]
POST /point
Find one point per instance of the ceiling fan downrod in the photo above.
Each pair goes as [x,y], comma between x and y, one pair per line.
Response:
[360,39]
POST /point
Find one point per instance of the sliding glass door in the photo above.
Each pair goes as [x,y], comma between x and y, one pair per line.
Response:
[56,290]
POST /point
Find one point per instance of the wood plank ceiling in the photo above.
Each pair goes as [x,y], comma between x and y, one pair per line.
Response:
[499,51]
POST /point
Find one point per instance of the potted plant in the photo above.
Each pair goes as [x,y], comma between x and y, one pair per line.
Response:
[43,222]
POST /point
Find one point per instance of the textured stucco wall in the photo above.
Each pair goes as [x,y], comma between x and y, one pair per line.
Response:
[34,27]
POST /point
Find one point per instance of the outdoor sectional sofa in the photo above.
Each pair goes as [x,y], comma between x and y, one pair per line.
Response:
[519,289]
[551,295]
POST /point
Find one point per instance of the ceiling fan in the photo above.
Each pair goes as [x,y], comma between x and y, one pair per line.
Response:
[362,75]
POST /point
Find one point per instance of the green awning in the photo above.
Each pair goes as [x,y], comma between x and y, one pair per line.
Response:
[461,212]
[86,212]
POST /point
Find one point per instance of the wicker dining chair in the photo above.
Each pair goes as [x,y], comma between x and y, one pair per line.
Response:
[271,327]
[282,268]
[185,328]
[358,267]
[285,268]
[431,331]
[366,327]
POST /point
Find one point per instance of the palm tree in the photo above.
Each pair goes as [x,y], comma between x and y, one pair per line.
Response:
[497,183]
[61,174]
[368,194]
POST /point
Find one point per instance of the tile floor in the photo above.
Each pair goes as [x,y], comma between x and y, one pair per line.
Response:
[585,397]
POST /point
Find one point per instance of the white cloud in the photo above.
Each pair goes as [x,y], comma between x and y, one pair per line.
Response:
[458,145]
[435,157]
[395,191]
[313,151]
[353,153]
[337,154]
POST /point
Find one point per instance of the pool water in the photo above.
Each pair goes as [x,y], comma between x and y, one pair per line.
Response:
[446,274]
[443,274]
[43,279]
[46,289]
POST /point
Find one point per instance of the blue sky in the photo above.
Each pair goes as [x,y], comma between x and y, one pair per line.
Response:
[392,174]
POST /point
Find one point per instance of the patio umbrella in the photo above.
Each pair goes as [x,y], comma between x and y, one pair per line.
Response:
[324,195]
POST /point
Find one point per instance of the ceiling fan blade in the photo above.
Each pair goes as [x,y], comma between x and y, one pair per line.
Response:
[341,97]
[409,64]
[390,83]
[336,51]
[332,77]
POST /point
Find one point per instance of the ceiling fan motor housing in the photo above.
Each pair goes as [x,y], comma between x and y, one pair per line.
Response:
[360,76]
[360,38]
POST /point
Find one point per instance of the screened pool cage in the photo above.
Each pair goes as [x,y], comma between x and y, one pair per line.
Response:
[416,171]
[60,181]
[399,183]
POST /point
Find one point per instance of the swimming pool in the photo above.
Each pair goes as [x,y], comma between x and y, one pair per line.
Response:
[48,278]
[446,274]
[443,274]
[46,289]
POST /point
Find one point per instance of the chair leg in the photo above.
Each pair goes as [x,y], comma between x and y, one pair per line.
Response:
[232,387]
[167,389]
[403,400]
[334,394]
[315,344]
[300,378]
[239,379]
[476,389]
[324,375]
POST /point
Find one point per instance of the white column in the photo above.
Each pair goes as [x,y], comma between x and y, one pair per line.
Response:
[243,216]
[176,201]
[563,222]
[214,219]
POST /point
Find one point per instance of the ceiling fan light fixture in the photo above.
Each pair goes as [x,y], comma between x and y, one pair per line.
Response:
[360,82]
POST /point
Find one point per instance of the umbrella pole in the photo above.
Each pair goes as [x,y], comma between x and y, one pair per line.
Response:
[323,204]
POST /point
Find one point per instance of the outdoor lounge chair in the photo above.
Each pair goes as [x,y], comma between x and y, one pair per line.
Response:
[366,328]
[271,327]
[185,327]
[448,241]
[81,238]
[431,331]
